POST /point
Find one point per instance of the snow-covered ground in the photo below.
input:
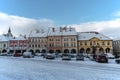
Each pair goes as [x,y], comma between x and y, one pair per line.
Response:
[38,68]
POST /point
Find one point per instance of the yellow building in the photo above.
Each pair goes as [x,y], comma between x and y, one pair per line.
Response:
[94,42]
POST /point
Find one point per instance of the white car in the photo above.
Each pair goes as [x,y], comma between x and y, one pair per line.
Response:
[4,54]
[27,55]
[50,56]
[66,57]
[110,56]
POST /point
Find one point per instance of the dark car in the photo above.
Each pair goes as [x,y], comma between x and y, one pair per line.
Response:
[117,60]
[80,57]
[17,54]
[101,58]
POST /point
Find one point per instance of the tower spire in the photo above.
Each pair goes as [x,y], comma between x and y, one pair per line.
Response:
[9,30]
[9,34]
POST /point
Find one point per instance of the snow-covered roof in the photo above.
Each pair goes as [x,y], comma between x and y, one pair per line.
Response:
[39,35]
[5,38]
[58,31]
[62,31]
[92,34]
[19,38]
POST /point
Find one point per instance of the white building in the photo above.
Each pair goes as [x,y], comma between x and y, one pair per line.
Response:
[4,41]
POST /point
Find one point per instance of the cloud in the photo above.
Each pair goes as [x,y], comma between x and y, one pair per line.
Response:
[22,25]
[110,27]
[116,14]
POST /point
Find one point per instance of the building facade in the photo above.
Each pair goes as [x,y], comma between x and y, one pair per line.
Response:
[58,40]
[18,44]
[94,42]
[116,47]
[54,40]
[4,41]
[37,42]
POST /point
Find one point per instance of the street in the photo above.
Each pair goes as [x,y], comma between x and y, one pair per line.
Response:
[12,68]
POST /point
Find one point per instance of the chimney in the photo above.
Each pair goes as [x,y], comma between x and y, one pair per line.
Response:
[53,29]
[60,29]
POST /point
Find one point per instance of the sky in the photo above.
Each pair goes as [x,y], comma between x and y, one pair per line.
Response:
[85,15]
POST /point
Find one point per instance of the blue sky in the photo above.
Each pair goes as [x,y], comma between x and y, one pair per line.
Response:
[64,12]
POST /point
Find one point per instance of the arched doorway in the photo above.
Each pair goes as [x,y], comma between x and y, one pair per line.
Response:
[73,51]
[88,50]
[11,51]
[58,51]
[24,51]
[107,50]
[82,50]
[66,51]
[4,51]
[43,51]
[32,52]
[37,51]
[51,51]
[101,50]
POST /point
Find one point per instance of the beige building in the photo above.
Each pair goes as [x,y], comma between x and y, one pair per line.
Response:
[94,42]
[37,42]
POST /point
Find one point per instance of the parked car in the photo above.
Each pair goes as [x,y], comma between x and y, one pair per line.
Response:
[10,54]
[102,58]
[92,57]
[80,57]
[50,56]
[38,54]
[73,55]
[110,56]
[66,56]
[3,54]
[117,60]
[44,55]
[27,55]
[17,54]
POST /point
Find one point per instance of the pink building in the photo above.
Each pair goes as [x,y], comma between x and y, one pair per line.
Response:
[18,45]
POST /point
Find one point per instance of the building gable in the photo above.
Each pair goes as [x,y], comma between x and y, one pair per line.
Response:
[94,39]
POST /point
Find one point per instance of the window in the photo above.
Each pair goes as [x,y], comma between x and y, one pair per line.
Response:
[90,43]
[74,45]
[64,39]
[97,43]
[32,45]
[4,45]
[85,43]
[108,43]
[45,45]
[15,45]
[38,45]
[35,45]
[103,43]
[29,45]
[20,45]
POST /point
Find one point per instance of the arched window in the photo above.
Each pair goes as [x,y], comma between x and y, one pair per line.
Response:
[82,50]
[107,50]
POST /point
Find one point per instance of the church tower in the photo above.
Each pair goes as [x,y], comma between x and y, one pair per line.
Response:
[9,34]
